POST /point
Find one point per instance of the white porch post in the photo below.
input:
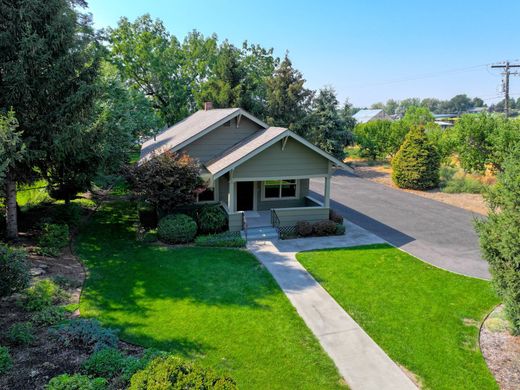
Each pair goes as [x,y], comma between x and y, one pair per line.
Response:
[326,194]
[231,198]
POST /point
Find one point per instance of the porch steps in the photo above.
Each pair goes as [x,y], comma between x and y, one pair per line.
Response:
[262,233]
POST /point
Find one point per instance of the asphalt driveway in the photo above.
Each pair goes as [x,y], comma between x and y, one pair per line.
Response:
[435,232]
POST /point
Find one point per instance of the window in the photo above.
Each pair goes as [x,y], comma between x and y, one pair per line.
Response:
[278,189]
[207,195]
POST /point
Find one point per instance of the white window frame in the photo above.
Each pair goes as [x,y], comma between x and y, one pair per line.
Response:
[280,197]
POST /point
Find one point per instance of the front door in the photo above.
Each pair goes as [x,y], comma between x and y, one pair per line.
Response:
[245,195]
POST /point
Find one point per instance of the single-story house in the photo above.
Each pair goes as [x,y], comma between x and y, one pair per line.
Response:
[252,169]
[364,116]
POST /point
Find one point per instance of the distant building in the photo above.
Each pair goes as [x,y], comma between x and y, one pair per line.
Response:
[444,124]
[364,116]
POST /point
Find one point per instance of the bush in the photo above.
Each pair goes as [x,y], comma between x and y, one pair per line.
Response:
[53,238]
[416,165]
[456,181]
[212,219]
[226,239]
[324,228]
[76,382]
[49,316]
[65,214]
[176,229]
[167,181]
[340,229]
[147,215]
[43,294]
[107,363]
[65,282]
[335,216]
[20,333]
[171,372]
[372,138]
[303,228]
[87,334]
[5,360]
[14,270]
[500,238]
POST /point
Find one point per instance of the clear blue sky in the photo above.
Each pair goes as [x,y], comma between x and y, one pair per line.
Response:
[369,50]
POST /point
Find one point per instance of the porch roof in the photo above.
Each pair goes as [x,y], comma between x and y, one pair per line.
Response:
[255,144]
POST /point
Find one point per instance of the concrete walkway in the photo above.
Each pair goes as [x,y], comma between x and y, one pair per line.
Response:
[360,361]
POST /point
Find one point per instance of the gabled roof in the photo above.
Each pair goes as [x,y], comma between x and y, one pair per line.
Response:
[192,128]
[364,116]
[255,144]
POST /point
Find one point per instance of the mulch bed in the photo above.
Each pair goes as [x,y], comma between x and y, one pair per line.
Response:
[501,350]
[34,365]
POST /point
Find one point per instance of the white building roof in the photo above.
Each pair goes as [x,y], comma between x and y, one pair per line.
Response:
[363,116]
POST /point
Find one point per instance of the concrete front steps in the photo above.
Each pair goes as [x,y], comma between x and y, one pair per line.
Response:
[261,233]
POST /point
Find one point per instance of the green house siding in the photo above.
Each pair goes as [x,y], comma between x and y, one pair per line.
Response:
[289,217]
[294,160]
[221,139]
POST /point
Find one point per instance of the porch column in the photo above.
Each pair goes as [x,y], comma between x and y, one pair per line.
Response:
[231,198]
[326,193]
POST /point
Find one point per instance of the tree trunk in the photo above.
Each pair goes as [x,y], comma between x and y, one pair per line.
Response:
[11,212]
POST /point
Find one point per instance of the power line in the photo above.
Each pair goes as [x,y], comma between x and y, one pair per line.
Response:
[506,66]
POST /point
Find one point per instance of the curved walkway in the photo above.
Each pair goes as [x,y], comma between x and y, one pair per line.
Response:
[360,361]
[435,232]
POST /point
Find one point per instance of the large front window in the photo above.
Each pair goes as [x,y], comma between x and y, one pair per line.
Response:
[279,189]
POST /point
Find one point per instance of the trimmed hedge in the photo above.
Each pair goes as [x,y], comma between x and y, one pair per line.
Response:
[173,373]
[324,228]
[416,164]
[177,229]
[212,219]
[226,239]
[303,228]
[320,228]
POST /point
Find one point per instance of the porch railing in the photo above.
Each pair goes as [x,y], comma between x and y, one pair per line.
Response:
[275,221]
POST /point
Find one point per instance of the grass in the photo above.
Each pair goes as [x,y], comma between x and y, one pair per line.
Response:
[456,181]
[425,318]
[32,194]
[218,306]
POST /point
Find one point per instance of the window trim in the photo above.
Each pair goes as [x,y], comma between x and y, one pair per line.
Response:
[280,197]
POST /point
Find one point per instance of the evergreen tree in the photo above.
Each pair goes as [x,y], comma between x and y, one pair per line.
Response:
[287,98]
[416,164]
[328,130]
[47,70]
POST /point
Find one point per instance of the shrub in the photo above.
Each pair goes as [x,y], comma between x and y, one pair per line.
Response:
[76,382]
[340,229]
[53,238]
[43,294]
[49,316]
[173,373]
[5,360]
[455,181]
[65,214]
[167,181]
[303,228]
[372,138]
[133,364]
[87,334]
[177,228]
[107,363]
[147,215]
[500,238]
[14,270]
[212,219]
[324,228]
[225,239]
[335,216]
[65,282]
[20,333]
[416,165]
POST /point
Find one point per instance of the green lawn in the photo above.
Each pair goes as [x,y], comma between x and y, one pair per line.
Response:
[216,305]
[425,318]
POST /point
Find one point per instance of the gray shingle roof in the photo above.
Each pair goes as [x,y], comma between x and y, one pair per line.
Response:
[184,130]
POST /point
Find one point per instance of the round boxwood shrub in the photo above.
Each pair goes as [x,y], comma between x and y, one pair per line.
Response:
[324,228]
[171,372]
[14,270]
[416,164]
[212,219]
[177,229]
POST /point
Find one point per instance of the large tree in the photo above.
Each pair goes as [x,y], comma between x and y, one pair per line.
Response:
[287,98]
[328,130]
[47,70]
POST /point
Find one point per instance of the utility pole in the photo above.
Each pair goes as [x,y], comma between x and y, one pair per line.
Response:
[505,81]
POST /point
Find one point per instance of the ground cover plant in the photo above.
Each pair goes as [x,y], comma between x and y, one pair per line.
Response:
[425,318]
[217,306]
